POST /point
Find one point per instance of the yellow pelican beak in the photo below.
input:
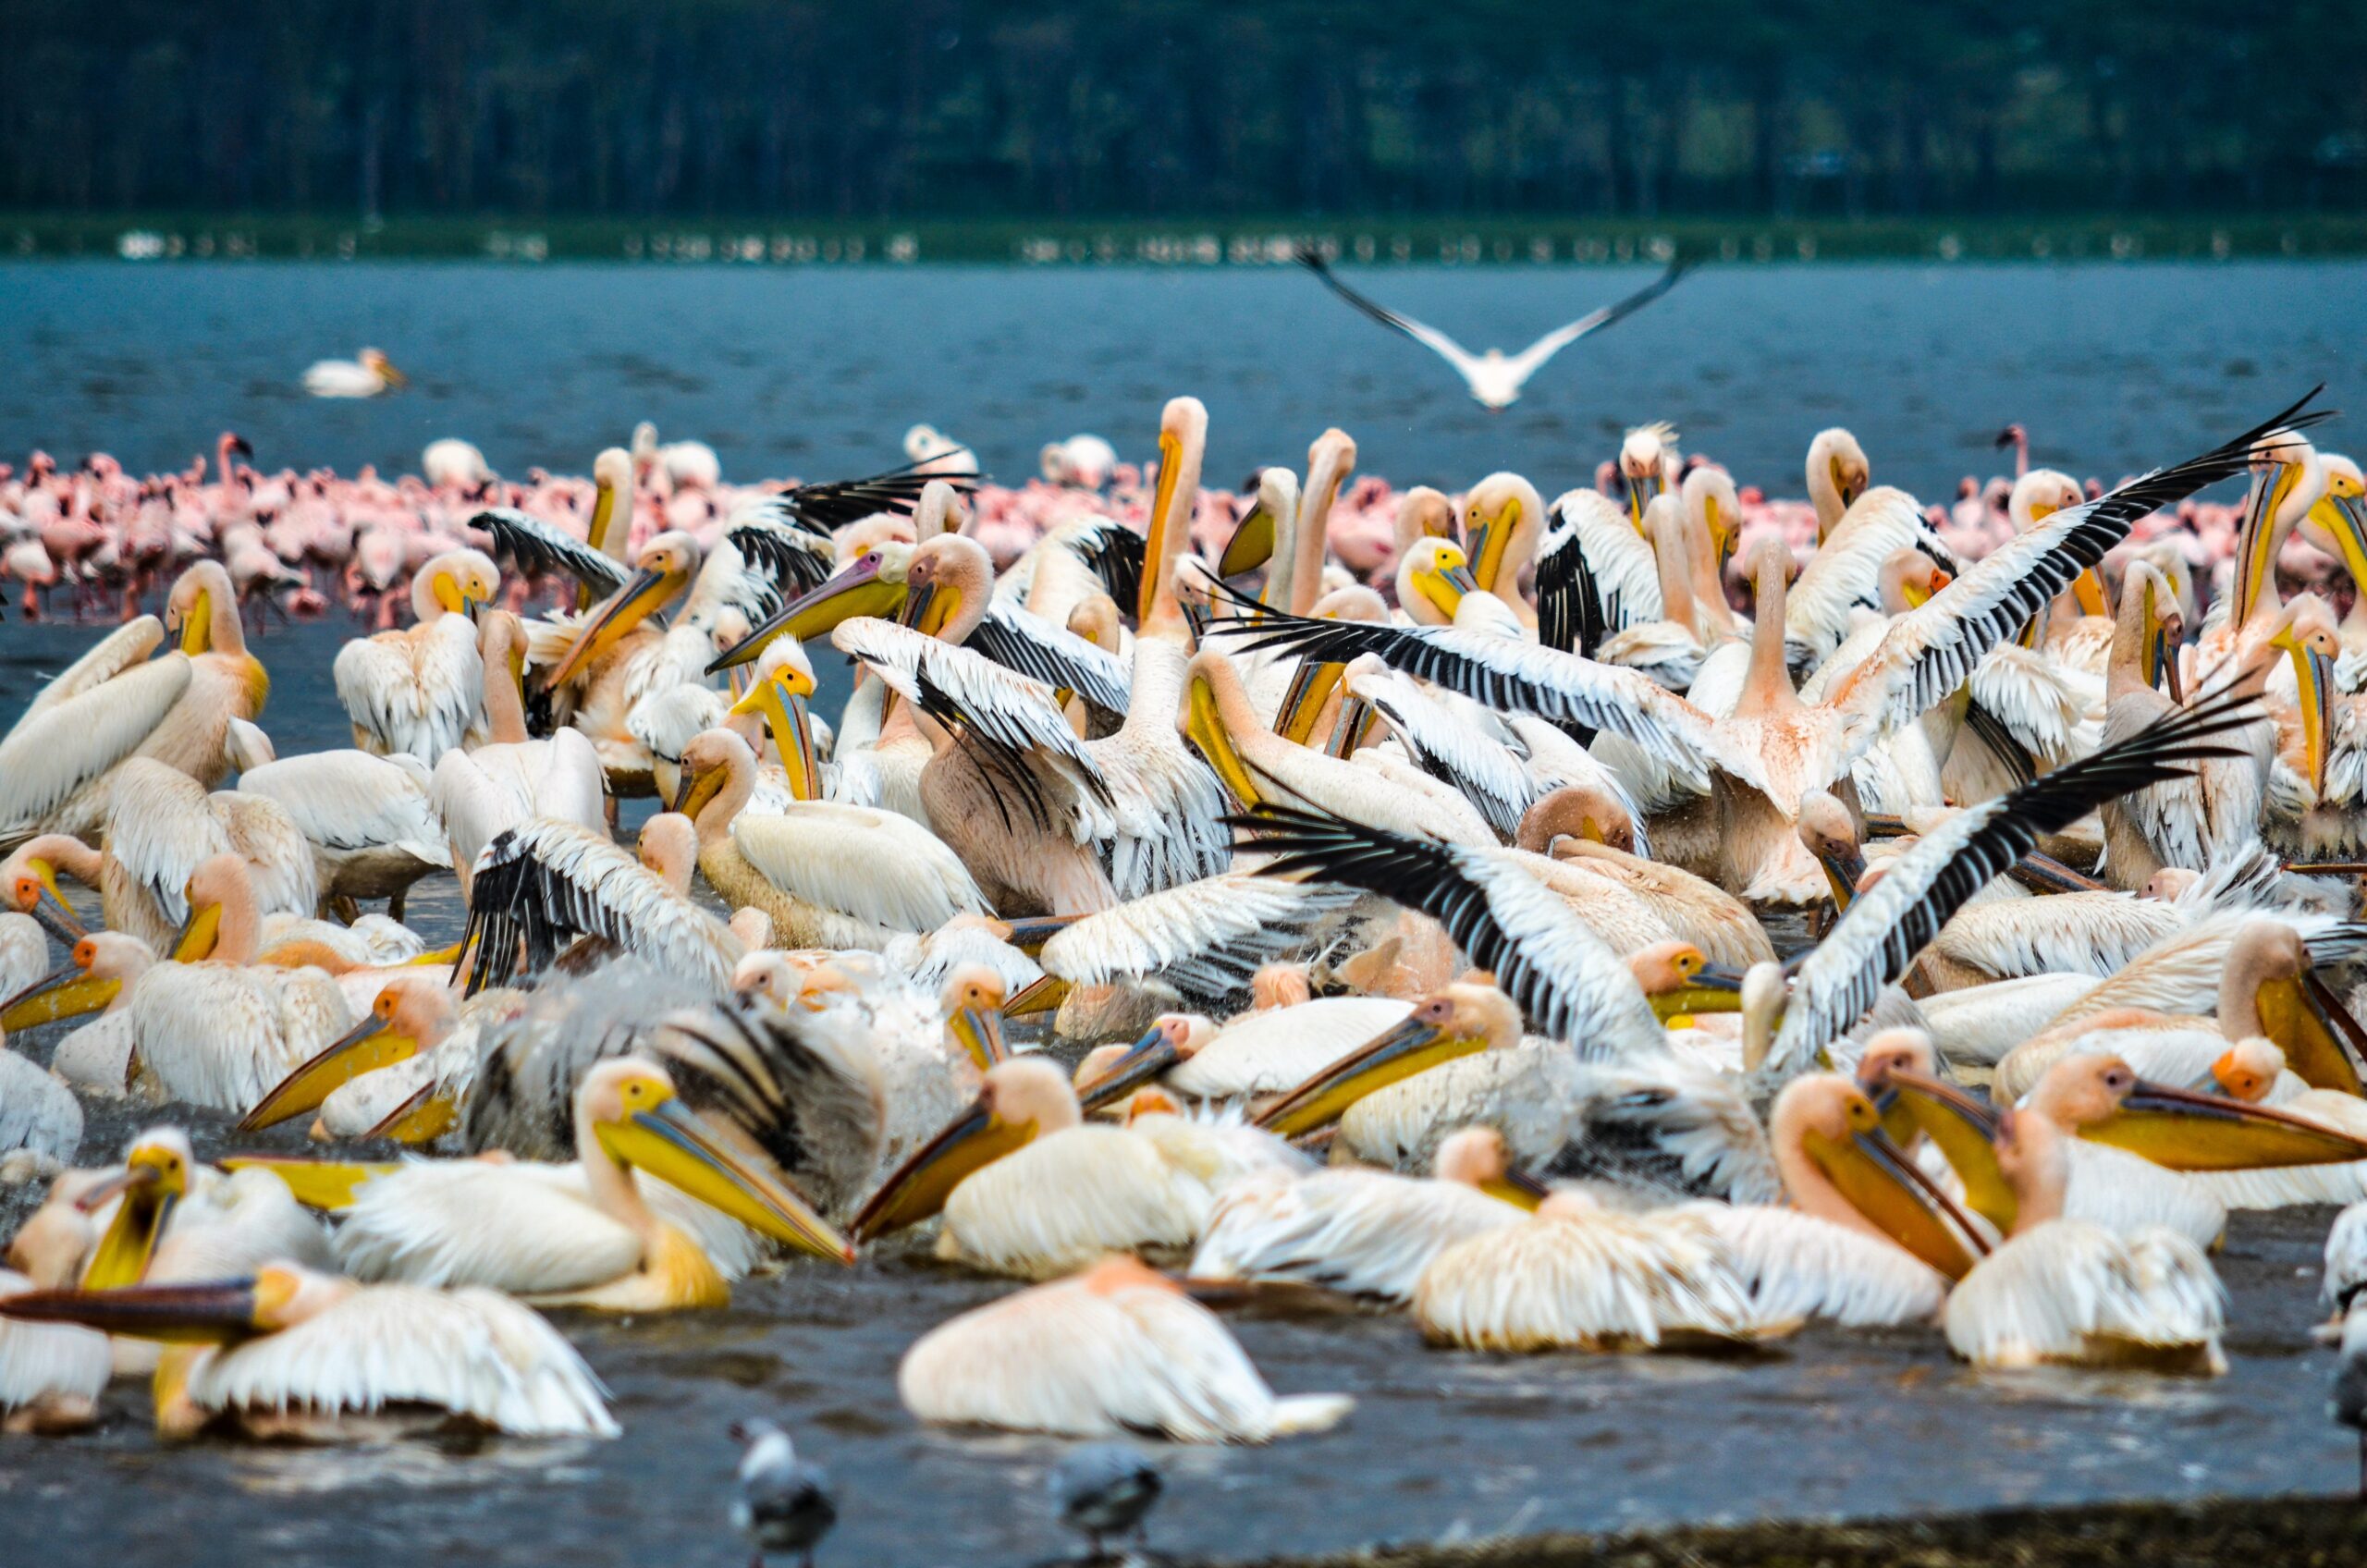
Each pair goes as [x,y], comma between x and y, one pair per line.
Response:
[1964,1129]
[1445,586]
[1517,1188]
[1918,596]
[49,905]
[1485,544]
[447,594]
[2089,590]
[670,1143]
[326,1184]
[1711,989]
[2164,632]
[64,993]
[2268,492]
[968,1144]
[2186,1131]
[197,626]
[1889,1189]
[633,604]
[2313,681]
[695,789]
[781,704]
[930,608]
[1310,688]
[215,1312]
[199,933]
[1252,545]
[2320,1038]
[1845,867]
[1842,486]
[1171,450]
[392,376]
[980,1033]
[370,1045]
[423,1119]
[1030,932]
[1204,726]
[1044,996]
[1410,1048]
[1356,723]
[859,588]
[2340,516]
[1144,1060]
[148,1202]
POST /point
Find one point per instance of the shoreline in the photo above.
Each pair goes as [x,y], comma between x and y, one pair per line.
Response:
[1182,243]
[2295,1529]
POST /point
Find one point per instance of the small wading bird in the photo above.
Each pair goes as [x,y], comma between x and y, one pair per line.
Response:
[1495,377]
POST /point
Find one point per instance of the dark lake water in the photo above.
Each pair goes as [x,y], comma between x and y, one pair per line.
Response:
[817,372]
[820,372]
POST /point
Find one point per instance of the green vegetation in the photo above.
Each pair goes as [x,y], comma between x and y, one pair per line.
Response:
[822,117]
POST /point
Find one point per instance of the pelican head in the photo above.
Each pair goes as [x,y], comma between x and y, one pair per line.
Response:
[2150,626]
[2287,481]
[30,874]
[1707,496]
[1681,982]
[668,848]
[1214,703]
[1423,513]
[203,609]
[2246,1070]
[946,584]
[1830,834]
[1478,1156]
[1585,811]
[2039,494]
[2102,1100]
[378,365]
[1824,1128]
[1898,1071]
[713,761]
[2341,514]
[871,584]
[94,973]
[1020,1100]
[973,998]
[2269,989]
[1500,508]
[154,1179]
[1272,509]
[455,582]
[219,885]
[637,1119]
[1110,1072]
[1837,474]
[1644,457]
[665,566]
[2306,633]
[784,682]
[1465,1017]
[1433,577]
[409,1015]
[1909,578]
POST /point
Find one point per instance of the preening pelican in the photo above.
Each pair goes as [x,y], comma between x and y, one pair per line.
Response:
[419,689]
[580,1235]
[366,375]
[1028,1187]
[292,1354]
[2066,1291]
[1363,1232]
[1115,1350]
[1495,378]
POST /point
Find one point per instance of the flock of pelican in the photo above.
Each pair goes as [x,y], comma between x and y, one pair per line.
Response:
[1161,927]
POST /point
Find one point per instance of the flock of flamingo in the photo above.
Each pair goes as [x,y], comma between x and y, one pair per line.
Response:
[1313,891]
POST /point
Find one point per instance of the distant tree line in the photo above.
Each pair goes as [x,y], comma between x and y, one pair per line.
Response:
[1091,108]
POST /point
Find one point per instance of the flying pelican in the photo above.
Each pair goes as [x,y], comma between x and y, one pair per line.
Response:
[1028,1187]
[367,375]
[580,1235]
[1117,1348]
[290,1354]
[372,827]
[1363,1232]
[512,778]
[1495,379]
[2060,1290]
[419,690]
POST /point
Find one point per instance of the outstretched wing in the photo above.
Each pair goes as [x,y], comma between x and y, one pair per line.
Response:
[775,546]
[1429,337]
[834,504]
[1888,925]
[539,549]
[1529,360]
[1018,639]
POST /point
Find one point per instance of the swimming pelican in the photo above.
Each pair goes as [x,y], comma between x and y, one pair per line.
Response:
[1363,1232]
[372,827]
[367,375]
[1117,1348]
[288,1353]
[1495,379]
[1575,1276]
[582,1235]
[2066,1291]
[419,690]
[1028,1187]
